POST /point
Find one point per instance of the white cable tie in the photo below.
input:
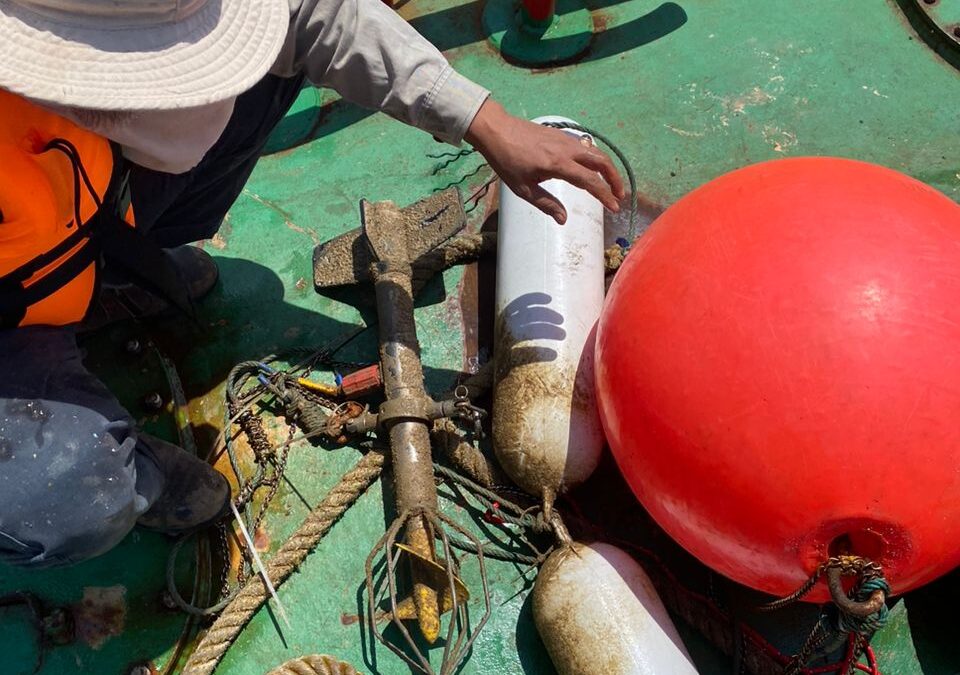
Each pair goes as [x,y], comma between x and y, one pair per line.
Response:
[259,564]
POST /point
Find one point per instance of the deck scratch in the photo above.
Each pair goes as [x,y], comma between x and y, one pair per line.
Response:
[287,216]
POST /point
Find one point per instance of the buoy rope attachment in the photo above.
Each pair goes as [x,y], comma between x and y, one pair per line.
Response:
[851,618]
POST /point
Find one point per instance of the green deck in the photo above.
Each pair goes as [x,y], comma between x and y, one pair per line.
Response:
[689,90]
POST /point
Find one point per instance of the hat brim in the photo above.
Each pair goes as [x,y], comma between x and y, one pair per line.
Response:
[217,53]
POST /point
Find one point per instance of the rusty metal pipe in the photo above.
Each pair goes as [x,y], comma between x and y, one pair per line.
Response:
[403,381]
[404,418]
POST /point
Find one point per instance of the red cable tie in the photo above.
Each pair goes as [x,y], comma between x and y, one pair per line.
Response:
[491,515]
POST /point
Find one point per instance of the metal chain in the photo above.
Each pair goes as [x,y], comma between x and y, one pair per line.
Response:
[818,636]
[225,559]
[273,482]
[262,452]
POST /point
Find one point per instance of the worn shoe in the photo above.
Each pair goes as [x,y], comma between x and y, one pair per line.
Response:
[195,494]
[122,300]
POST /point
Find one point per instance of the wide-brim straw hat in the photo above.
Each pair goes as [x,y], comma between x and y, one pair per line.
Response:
[138,54]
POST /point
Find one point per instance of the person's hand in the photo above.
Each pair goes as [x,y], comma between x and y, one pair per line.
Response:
[525,154]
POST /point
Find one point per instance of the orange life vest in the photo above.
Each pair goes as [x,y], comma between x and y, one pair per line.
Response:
[56,181]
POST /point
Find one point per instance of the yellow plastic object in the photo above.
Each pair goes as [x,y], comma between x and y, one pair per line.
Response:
[325,389]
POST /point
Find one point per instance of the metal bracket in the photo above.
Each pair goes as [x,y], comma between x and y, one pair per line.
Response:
[424,225]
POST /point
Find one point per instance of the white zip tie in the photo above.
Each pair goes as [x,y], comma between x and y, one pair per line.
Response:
[259,564]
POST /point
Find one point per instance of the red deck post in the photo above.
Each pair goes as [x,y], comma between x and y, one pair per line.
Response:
[539,12]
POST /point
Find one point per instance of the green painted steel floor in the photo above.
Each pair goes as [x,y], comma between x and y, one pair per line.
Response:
[689,90]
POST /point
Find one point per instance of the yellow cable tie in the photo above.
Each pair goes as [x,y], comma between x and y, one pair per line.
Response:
[319,387]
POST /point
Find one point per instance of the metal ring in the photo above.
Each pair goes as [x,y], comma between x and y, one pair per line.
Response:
[848,605]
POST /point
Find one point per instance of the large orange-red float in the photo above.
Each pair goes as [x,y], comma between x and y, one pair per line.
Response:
[778,370]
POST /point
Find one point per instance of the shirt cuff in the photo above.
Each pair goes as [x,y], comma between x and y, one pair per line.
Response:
[451,106]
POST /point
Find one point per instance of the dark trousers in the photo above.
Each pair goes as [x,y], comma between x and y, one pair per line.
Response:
[73,476]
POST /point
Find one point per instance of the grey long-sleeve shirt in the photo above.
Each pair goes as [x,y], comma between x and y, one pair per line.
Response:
[360,48]
[364,51]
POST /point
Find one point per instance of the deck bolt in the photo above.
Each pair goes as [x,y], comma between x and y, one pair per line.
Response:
[141,670]
[153,402]
[133,347]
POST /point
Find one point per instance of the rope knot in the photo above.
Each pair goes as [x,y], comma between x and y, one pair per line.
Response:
[866,626]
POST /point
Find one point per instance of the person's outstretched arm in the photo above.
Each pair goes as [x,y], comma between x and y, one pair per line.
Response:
[373,58]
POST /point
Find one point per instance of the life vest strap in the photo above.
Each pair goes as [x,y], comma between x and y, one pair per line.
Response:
[34,265]
[15,299]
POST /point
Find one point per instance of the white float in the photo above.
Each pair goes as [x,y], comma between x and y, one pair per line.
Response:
[598,612]
[550,289]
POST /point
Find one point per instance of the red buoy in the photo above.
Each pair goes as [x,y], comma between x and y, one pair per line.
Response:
[778,372]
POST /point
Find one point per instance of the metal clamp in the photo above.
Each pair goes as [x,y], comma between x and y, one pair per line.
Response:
[405,408]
